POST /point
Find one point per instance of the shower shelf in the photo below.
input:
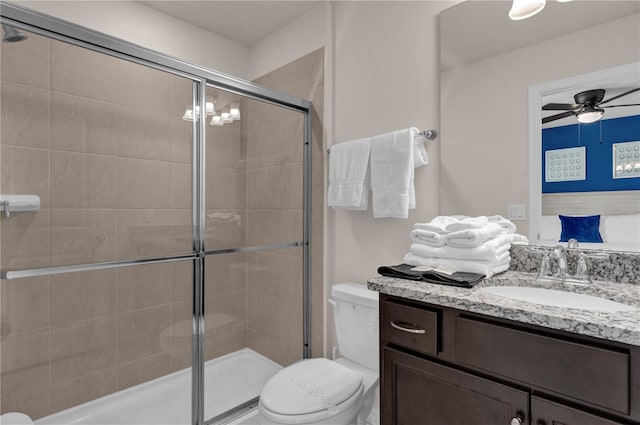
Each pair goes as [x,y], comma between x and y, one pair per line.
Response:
[18,203]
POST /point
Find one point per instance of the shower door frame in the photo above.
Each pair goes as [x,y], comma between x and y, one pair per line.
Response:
[201,77]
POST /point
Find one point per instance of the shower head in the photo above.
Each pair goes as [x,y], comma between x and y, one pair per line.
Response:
[12,35]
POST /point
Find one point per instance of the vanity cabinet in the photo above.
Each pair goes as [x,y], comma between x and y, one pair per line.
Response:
[442,366]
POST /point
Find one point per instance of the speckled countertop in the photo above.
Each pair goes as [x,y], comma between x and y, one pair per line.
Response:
[620,326]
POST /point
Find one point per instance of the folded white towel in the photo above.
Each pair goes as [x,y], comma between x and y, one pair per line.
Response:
[507,225]
[473,237]
[438,224]
[496,249]
[349,174]
[392,172]
[515,238]
[467,223]
[487,268]
[427,237]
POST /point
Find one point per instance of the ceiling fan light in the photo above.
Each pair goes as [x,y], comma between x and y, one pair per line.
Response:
[523,9]
[589,115]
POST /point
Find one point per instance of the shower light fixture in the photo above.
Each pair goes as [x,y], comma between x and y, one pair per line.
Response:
[210,105]
[589,114]
[188,114]
[234,111]
[523,9]
[217,121]
[226,116]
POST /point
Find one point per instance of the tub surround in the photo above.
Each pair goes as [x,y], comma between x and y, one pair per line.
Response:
[616,326]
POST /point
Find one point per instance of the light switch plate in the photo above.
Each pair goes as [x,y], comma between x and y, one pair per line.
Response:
[626,160]
[516,212]
[563,165]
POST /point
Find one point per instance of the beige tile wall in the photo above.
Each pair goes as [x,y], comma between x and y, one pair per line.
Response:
[274,213]
[102,142]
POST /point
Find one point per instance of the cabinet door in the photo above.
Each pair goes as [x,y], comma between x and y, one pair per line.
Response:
[547,412]
[418,391]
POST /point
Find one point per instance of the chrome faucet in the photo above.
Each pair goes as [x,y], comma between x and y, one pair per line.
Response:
[560,254]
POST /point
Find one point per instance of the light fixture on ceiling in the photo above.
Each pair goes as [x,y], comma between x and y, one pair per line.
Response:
[564,1]
[589,114]
[234,111]
[523,9]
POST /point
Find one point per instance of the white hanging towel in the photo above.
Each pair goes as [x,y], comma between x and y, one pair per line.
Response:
[349,175]
[392,165]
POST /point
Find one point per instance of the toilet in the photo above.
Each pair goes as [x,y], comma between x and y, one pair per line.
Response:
[323,391]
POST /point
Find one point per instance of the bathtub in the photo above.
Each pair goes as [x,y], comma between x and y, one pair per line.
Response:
[230,380]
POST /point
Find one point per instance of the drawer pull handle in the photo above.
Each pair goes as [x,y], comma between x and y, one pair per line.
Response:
[407,327]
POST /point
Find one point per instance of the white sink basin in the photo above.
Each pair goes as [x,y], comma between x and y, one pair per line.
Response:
[555,298]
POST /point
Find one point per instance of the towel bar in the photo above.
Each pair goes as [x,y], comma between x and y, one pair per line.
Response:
[427,134]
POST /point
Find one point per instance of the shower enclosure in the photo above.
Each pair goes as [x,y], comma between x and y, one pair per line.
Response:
[171,244]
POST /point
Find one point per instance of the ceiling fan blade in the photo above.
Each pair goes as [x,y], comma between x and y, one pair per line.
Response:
[560,107]
[617,106]
[619,96]
[557,116]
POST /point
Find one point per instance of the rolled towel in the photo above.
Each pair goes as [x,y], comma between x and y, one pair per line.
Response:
[487,268]
[467,223]
[472,237]
[506,224]
[438,224]
[427,237]
[496,249]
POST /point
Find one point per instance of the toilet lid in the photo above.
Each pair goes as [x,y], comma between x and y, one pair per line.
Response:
[310,386]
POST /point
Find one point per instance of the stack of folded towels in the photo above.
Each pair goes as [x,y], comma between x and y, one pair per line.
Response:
[464,244]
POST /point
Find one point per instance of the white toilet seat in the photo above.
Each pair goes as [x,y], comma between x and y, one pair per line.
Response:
[310,391]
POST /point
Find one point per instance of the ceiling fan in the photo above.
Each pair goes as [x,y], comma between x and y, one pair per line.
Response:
[587,107]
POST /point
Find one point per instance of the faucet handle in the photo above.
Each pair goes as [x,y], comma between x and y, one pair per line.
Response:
[582,270]
[545,265]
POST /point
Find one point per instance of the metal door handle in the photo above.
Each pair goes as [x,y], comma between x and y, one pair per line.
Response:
[407,327]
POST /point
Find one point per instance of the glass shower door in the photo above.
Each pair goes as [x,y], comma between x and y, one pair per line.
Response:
[254,233]
[102,143]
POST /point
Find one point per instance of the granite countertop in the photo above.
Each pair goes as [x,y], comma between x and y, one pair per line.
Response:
[619,326]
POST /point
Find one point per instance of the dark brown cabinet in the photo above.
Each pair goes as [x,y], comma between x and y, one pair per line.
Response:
[429,393]
[550,413]
[441,366]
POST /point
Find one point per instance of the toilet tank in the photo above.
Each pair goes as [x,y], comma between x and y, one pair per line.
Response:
[356,318]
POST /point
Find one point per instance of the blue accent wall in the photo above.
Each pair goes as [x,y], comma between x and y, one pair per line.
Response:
[599,153]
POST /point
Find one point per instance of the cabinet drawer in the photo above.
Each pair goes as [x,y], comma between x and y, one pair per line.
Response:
[547,412]
[590,374]
[410,327]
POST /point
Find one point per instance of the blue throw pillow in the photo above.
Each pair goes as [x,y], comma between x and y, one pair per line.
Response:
[583,229]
